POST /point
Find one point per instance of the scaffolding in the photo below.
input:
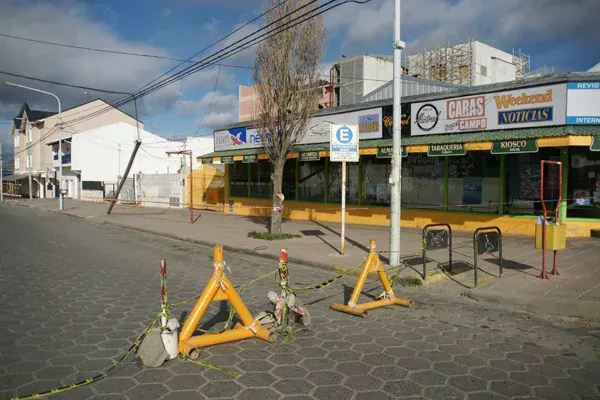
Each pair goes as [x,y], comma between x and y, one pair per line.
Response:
[522,62]
[455,64]
[450,64]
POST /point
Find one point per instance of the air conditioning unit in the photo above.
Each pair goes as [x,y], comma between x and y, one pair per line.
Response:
[174,201]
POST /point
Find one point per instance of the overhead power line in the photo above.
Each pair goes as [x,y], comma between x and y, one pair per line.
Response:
[228,51]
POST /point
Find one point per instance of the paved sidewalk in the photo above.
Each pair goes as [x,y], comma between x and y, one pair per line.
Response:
[575,292]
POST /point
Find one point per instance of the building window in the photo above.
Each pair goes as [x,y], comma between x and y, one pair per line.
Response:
[28,160]
[335,183]
[289,179]
[376,188]
[583,194]
[522,190]
[16,138]
[423,181]
[474,182]
[29,134]
[238,173]
[260,179]
[311,182]
[17,162]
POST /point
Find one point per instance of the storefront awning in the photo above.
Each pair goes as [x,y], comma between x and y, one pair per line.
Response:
[472,137]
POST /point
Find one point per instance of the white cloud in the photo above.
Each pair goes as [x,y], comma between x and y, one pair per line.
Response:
[212,110]
[505,24]
[208,77]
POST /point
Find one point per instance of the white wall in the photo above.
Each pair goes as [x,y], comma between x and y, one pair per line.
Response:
[102,154]
[377,72]
[499,64]
[199,146]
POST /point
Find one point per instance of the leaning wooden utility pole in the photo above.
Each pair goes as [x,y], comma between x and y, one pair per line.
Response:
[136,147]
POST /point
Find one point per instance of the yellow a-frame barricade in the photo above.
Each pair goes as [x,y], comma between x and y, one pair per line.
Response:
[219,288]
[372,264]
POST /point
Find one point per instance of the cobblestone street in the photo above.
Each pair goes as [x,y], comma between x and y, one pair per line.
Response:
[75,295]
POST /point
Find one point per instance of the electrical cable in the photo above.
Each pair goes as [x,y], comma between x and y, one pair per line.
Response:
[209,108]
[202,64]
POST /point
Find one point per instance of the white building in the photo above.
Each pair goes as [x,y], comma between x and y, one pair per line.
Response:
[355,76]
[99,158]
[469,64]
[199,145]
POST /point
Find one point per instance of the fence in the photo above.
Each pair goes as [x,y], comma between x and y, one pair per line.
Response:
[158,190]
[11,189]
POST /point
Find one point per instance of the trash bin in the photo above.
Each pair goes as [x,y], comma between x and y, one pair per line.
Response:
[556,235]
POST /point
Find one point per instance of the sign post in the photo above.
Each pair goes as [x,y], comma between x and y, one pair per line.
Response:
[343,146]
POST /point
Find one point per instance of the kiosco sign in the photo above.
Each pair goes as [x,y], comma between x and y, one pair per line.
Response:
[521,108]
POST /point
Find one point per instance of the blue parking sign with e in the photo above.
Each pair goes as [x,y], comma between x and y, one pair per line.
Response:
[344,134]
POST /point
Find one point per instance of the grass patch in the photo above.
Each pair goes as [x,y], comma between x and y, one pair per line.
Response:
[271,236]
[412,281]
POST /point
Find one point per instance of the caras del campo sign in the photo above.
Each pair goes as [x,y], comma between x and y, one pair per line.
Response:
[520,108]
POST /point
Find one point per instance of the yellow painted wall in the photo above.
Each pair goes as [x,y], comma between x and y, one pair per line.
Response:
[410,218]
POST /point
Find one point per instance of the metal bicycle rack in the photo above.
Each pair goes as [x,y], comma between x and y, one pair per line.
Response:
[435,239]
[486,243]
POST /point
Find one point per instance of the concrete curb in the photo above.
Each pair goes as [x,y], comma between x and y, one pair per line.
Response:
[536,304]
[225,247]
[332,268]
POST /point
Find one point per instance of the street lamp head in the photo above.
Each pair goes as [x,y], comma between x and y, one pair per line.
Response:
[10,84]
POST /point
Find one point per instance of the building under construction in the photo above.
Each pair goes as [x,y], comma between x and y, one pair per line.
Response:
[469,64]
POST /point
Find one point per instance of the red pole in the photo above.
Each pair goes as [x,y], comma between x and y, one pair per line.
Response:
[543,274]
[554,268]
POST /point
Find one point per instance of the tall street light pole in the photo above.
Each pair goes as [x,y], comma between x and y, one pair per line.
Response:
[396,149]
[60,193]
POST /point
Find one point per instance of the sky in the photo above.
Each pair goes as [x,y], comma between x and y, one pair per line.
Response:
[556,33]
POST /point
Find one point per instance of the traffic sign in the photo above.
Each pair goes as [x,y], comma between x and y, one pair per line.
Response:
[343,143]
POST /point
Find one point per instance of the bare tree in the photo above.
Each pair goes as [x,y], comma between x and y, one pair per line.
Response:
[286,78]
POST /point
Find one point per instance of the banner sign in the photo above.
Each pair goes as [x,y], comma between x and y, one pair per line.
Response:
[454,149]
[583,103]
[515,146]
[249,159]
[343,143]
[227,160]
[388,121]
[386,152]
[521,108]
[317,131]
[309,156]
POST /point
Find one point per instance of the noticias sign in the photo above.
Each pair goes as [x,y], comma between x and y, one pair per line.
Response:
[520,108]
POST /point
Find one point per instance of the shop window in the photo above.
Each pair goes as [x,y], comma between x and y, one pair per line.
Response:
[289,179]
[335,183]
[583,195]
[474,182]
[260,179]
[311,183]
[376,189]
[238,173]
[423,181]
[522,189]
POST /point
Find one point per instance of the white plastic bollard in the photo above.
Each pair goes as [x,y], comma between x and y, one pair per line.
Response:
[170,337]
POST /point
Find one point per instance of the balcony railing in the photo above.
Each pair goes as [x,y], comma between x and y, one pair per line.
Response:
[66,159]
